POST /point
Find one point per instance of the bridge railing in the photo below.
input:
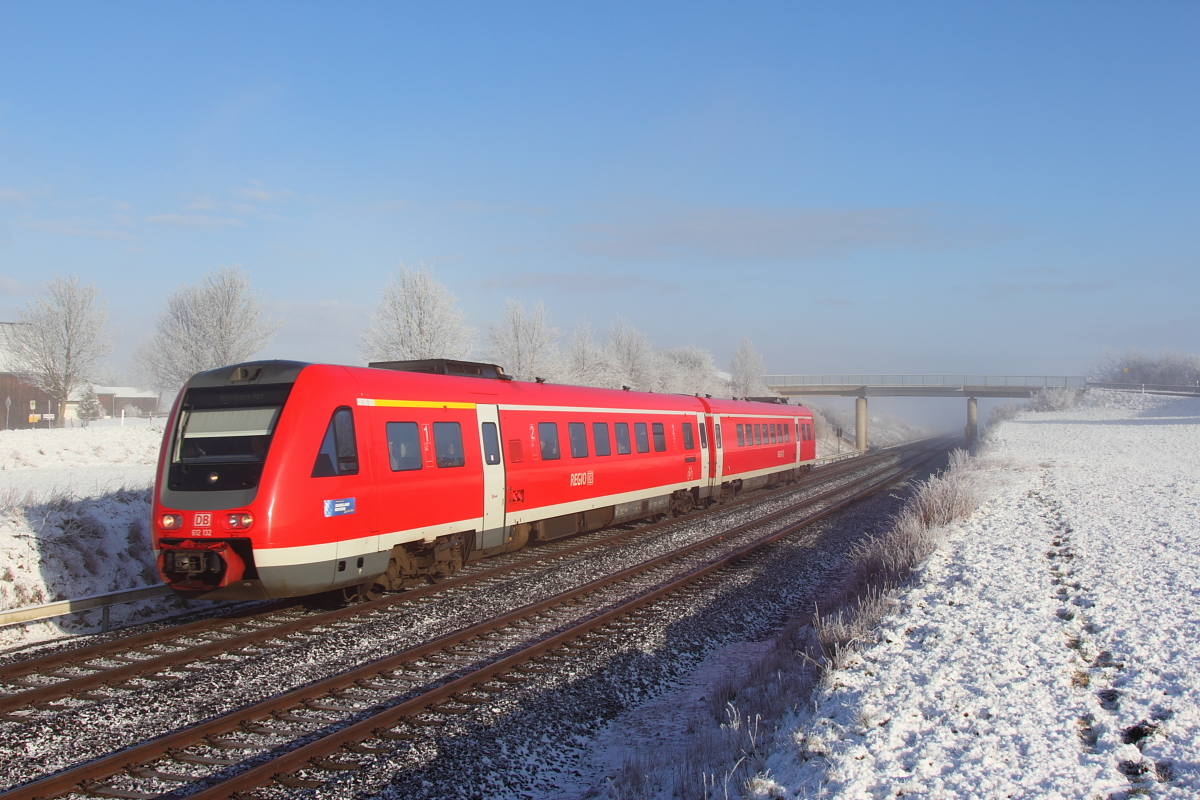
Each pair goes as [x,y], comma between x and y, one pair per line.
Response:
[998,381]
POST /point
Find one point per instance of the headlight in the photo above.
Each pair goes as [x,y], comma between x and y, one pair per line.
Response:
[240,521]
[170,522]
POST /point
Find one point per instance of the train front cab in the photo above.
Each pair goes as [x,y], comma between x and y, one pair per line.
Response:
[206,508]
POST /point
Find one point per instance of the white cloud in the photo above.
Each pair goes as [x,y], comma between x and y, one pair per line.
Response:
[76,227]
[255,191]
[11,195]
[737,233]
[202,221]
[11,288]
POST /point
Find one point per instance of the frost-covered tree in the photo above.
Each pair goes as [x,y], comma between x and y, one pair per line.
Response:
[523,341]
[1133,366]
[416,318]
[747,369]
[211,324]
[688,370]
[583,361]
[630,357]
[89,408]
[59,339]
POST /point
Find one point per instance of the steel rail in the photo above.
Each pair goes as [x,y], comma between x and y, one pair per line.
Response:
[84,776]
[98,677]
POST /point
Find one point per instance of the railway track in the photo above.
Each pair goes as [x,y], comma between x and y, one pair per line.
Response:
[360,713]
[83,673]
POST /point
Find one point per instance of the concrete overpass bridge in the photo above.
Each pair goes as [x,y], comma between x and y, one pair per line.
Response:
[966,386]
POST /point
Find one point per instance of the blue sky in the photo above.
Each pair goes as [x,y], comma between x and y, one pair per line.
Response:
[858,187]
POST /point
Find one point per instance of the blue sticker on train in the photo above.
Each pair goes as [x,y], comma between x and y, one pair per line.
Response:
[335,508]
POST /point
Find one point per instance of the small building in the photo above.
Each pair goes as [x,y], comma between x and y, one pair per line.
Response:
[21,404]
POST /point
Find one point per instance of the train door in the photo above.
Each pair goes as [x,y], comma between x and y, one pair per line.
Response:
[702,469]
[799,437]
[494,531]
[718,462]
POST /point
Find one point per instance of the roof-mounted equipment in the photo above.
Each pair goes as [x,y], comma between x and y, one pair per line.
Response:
[445,366]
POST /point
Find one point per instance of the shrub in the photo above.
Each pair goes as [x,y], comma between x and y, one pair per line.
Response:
[1058,399]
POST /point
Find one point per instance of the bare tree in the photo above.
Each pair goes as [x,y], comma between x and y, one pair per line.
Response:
[59,339]
[748,371]
[416,318]
[631,360]
[523,342]
[204,326]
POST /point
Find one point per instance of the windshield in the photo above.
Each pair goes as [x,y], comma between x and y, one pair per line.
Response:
[224,435]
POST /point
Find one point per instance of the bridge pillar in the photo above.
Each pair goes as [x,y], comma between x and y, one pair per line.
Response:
[972,419]
[860,423]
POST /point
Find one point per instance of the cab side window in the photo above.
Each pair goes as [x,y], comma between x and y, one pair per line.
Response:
[717,434]
[448,443]
[339,452]
[404,446]
[660,437]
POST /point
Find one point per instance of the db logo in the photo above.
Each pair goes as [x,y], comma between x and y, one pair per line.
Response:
[203,520]
[582,478]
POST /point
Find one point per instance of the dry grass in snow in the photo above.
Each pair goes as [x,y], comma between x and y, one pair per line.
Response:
[748,717]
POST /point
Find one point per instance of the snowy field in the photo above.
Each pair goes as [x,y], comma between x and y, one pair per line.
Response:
[74,509]
[1051,647]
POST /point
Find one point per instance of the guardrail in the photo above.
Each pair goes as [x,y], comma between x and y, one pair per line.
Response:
[63,607]
[998,381]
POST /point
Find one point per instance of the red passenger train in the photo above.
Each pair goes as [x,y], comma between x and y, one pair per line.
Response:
[279,478]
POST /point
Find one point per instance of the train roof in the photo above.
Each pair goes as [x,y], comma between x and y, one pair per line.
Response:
[387,381]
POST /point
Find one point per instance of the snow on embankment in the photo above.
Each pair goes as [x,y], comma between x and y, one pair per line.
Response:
[1051,647]
[74,511]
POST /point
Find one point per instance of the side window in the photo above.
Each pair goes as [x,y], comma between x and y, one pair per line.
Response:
[491,443]
[600,437]
[339,452]
[448,444]
[704,434]
[758,434]
[641,436]
[660,437]
[621,431]
[717,435]
[787,432]
[809,429]
[577,434]
[774,440]
[404,446]
[741,436]
[548,436]
[688,442]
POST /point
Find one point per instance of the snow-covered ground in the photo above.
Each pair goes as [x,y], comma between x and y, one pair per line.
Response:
[74,511]
[1051,647]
